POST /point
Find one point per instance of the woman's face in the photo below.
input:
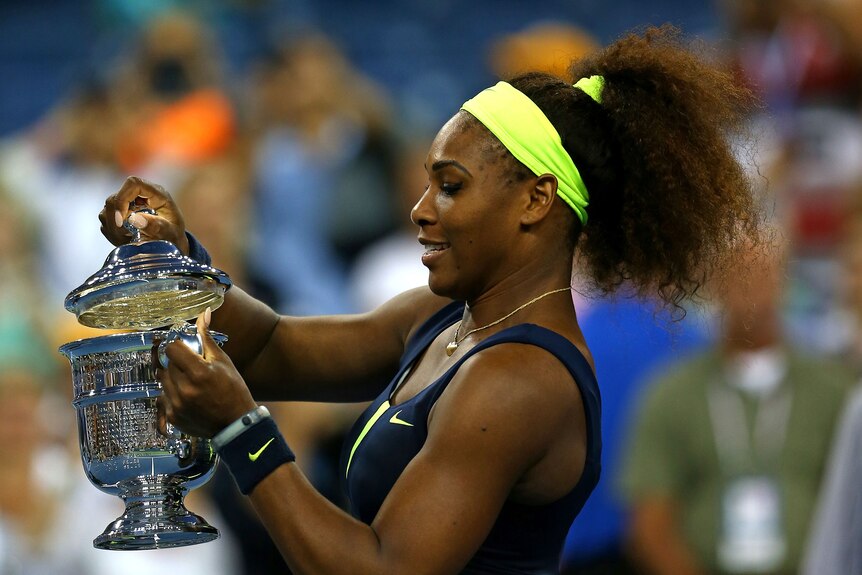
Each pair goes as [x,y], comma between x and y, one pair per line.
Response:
[468,216]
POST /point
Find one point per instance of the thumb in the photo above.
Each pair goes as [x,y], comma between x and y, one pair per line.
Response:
[210,347]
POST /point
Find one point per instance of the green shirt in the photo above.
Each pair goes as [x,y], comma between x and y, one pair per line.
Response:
[672,450]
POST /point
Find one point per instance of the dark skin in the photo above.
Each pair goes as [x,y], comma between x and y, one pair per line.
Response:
[510,425]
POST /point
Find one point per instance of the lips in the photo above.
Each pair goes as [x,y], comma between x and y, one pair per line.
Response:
[433,250]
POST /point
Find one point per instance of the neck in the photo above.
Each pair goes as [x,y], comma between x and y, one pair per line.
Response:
[750,343]
[461,335]
[497,303]
[506,309]
[515,288]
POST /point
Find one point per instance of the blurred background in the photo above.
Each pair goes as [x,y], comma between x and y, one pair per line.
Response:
[292,133]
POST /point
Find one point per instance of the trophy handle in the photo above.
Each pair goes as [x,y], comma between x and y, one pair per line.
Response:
[177,444]
[184,332]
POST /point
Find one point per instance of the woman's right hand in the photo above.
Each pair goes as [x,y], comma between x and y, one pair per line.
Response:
[166,224]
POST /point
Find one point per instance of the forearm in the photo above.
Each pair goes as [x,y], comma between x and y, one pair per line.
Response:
[656,543]
[247,322]
[313,535]
[296,359]
[320,359]
[326,358]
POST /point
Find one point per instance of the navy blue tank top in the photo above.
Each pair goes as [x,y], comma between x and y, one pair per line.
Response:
[525,539]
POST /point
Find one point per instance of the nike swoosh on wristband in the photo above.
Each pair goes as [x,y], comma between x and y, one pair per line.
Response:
[253,456]
[395,419]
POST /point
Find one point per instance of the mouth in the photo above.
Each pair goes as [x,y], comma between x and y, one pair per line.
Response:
[432,250]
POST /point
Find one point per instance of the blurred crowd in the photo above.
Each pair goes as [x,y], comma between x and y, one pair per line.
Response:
[298,176]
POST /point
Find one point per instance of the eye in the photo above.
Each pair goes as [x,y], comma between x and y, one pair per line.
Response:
[450,188]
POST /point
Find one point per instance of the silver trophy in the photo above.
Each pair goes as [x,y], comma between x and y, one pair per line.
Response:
[142,285]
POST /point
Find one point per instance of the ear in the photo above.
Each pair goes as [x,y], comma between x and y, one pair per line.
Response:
[541,197]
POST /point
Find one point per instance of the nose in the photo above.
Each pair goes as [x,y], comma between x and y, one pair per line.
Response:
[423,213]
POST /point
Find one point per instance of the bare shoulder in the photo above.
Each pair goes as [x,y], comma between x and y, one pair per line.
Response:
[515,397]
[516,377]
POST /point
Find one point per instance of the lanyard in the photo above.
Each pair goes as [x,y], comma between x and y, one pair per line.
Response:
[738,448]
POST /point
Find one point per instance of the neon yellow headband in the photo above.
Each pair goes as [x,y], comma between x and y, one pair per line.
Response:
[593,87]
[528,134]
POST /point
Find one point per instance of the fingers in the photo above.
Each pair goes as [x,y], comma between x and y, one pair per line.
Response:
[202,393]
[183,358]
[210,347]
[152,195]
[118,206]
[134,194]
[186,359]
[177,389]
[165,403]
[161,415]
[153,227]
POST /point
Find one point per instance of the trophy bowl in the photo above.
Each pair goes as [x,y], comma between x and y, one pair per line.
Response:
[122,449]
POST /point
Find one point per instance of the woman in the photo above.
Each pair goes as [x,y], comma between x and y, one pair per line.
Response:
[477,455]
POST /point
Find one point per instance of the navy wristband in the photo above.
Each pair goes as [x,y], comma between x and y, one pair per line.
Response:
[197,252]
[255,453]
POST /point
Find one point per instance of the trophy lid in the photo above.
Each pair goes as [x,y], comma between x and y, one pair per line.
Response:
[147,285]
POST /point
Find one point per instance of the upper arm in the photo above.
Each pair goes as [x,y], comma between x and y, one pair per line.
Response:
[499,417]
[336,358]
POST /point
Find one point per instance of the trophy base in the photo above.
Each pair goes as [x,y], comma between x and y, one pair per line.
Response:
[155,518]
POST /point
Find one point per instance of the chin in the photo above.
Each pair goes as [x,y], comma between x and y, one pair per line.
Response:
[443,289]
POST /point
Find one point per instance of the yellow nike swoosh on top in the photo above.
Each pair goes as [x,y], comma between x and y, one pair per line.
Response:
[253,456]
[395,419]
[368,425]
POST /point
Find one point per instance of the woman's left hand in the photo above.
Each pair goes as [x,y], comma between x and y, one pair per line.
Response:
[202,394]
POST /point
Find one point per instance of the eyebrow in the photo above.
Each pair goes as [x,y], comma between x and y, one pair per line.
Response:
[440,164]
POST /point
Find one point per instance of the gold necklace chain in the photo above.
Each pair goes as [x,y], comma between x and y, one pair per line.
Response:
[453,345]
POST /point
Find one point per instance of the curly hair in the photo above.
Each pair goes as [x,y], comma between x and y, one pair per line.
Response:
[668,198]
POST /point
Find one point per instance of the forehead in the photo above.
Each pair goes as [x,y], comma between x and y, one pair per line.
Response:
[465,139]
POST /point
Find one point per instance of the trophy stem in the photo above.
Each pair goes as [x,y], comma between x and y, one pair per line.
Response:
[155,517]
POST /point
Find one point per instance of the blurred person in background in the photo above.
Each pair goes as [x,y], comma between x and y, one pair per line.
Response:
[481,483]
[804,60]
[546,46]
[726,457]
[321,174]
[834,546]
[55,172]
[178,110]
[851,279]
